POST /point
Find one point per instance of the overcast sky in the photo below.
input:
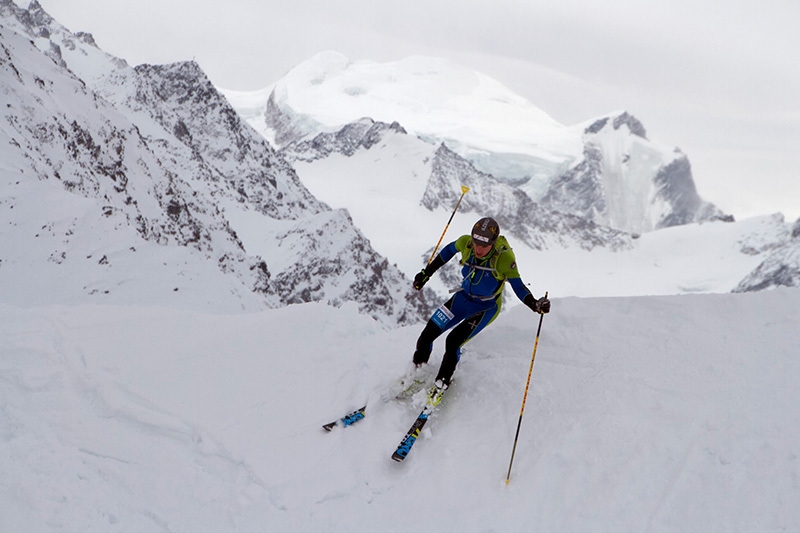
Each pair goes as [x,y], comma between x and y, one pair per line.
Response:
[720,79]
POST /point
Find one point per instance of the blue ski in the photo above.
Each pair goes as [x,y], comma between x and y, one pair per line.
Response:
[347,420]
[434,397]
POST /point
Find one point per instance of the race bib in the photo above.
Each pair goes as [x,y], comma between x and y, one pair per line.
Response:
[442,316]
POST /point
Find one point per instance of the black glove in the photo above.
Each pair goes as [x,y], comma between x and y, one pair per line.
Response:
[425,274]
[542,305]
[421,279]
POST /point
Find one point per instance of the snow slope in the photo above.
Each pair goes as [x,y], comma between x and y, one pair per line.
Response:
[670,414]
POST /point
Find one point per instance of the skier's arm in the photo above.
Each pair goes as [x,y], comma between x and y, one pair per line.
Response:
[441,258]
[541,305]
[520,289]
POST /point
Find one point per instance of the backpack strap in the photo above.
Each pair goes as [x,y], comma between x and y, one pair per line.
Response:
[501,246]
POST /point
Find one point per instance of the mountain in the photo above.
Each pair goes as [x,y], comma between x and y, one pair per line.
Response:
[149,168]
[514,210]
[103,161]
[605,171]
[564,254]
[624,181]
[363,135]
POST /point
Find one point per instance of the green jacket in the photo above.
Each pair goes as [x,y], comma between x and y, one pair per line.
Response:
[484,277]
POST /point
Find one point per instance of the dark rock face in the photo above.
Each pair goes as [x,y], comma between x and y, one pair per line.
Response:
[362,134]
[580,188]
[621,189]
[781,268]
[517,214]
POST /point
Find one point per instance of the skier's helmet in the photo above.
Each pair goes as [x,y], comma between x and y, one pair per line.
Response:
[485,232]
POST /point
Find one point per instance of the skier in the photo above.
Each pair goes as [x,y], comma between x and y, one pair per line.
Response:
[488,262]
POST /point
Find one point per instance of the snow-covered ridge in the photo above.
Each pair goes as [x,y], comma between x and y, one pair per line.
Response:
[203,173]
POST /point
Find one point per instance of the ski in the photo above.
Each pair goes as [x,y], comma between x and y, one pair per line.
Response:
[347,420]
[408,386]
[434,397]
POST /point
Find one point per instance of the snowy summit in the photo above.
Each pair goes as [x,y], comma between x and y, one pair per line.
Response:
[430,97]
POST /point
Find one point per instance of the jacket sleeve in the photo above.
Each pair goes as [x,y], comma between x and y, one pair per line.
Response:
[441,258]
[520,289]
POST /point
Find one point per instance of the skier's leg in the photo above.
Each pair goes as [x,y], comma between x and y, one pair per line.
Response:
[459,336]
[425,342]
[433,329]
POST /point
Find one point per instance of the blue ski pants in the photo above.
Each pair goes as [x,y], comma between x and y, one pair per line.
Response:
[467,317]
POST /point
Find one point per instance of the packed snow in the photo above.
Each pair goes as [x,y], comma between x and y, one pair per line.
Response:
[672,413]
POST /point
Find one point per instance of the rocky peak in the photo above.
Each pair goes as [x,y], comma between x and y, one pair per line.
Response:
[626,182]
[518,215]
[286,131]
[675,189]
[623,119]
[361,134]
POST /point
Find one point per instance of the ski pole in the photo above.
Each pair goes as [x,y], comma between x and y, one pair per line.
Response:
[525,396]
[464,191]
